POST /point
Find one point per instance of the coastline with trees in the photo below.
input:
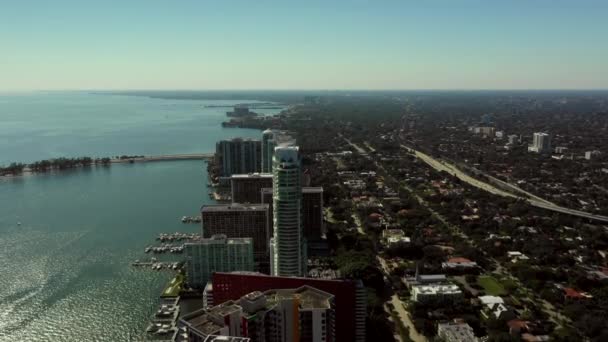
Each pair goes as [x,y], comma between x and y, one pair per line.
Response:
[46,165]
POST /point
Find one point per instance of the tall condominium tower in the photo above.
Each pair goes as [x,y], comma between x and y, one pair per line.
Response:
[288,246]
[267,137]
[541,143]
[246,188]
[240,221]
[312,211]
[238,156]
[270,140]
[216,254]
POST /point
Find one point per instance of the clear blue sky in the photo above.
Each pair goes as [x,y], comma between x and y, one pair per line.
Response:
[401,44]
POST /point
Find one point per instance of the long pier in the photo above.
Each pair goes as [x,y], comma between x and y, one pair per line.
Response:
[165,157]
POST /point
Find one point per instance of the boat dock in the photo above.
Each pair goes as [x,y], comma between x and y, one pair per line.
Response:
[191,219]
[158,265]
[177,236]
[164,248]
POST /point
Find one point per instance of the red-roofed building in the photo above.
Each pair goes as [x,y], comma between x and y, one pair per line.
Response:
[459,260]
[571,294]
[458,263]
[350,296]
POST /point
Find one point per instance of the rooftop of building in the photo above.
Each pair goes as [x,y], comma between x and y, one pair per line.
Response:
[458,260]
[255,175]
[203,324]
[240,139]
[436,289]
[312,189]
[253,295]
[161,333]
[224,309]
[233,207]
[430,278]
[572,293]
[210,321]
[283,138]
[456,331]
[305,190]
[489,300]
[307,296]
[258,274]
[218,338]
[220,239]
[287,154]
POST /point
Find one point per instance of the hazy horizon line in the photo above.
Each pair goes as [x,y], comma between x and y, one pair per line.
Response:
[296,89]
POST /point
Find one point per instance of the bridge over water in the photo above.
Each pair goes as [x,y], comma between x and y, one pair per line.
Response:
[165,157]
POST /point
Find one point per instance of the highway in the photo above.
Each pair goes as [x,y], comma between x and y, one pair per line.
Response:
[441,165]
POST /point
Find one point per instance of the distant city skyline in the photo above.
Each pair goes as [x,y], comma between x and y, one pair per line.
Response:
[372,45]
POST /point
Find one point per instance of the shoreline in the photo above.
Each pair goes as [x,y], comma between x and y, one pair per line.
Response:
[169,157]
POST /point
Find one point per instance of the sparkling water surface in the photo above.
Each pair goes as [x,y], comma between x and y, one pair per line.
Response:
[67,239]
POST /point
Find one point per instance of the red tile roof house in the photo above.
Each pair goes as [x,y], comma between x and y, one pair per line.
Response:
[458,263]
[573,295]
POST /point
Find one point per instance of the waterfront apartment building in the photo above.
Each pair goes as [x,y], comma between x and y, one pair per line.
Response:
[270,140]
[245,188]
[275,315]
[541,143]
[240,221]
[239,156]
[312,211]
[350,296]
[287,246]
[216,254]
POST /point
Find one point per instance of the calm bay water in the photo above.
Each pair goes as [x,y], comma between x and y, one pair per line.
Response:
[66,273]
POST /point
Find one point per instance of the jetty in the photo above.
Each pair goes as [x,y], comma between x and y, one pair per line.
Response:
[164,248]
[191,219]
[177,236]
[158,265]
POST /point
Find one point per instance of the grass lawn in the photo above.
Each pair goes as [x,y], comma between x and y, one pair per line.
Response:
[173,288]
[491,286]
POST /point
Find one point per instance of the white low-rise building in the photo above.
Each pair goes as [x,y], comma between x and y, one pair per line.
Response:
[436,293]
[494,306]
[393,236]
[458,264]
[457,331]
[516,256]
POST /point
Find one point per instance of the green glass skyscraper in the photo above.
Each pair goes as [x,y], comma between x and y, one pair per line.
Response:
[288,246]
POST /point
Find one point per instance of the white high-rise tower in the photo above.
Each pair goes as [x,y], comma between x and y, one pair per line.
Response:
[267,149]
[541,143]
[288,246]
[270,140]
